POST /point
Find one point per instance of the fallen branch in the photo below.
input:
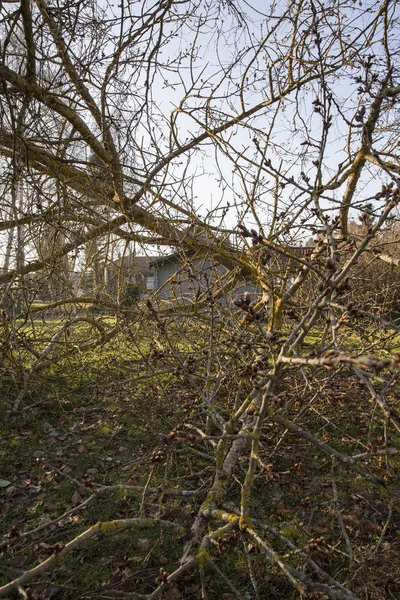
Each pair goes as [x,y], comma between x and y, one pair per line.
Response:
[378,398]
[299,581]
[346,460]
[102,528]
[332,358]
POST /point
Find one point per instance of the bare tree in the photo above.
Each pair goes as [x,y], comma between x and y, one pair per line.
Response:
[235,133]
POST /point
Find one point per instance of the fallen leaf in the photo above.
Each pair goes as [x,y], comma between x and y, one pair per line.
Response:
[91,471]
[4,483]
[114,580]
[193,589]
[82,449]
[76,498]
[39,454]
[143,544]
[16,561]
[51,592]
[173,594]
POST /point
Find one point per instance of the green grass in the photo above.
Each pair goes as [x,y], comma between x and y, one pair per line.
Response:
[96,401]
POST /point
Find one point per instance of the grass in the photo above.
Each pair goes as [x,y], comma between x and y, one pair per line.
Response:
[97,421]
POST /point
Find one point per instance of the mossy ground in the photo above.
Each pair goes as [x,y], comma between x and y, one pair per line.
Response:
[93,420]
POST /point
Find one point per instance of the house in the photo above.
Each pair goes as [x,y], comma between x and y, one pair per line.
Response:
[185,275]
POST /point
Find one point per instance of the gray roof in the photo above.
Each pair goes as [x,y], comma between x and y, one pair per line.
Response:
[178,256]
[175,256]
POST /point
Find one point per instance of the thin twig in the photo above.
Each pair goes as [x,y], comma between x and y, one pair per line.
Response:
[340,516]
[382,536]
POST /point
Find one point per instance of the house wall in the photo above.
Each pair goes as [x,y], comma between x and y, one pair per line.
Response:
[176,279]
[186,278]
